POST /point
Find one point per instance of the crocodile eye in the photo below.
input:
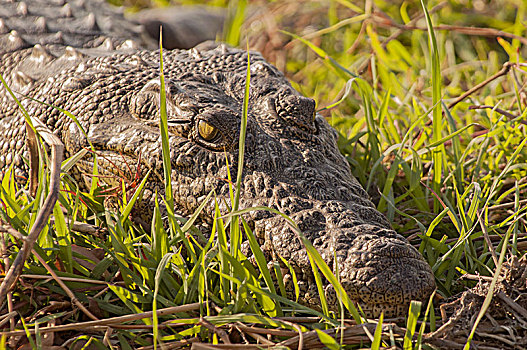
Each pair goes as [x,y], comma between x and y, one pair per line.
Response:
[207,131]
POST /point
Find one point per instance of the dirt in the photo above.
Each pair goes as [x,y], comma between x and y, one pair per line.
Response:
[504,325]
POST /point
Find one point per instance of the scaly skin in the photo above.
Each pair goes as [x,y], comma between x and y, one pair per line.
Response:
[292,162]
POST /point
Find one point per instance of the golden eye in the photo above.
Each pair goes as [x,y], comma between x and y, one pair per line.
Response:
[207,131]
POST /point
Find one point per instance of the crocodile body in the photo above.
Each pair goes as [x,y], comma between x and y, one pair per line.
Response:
[292,162]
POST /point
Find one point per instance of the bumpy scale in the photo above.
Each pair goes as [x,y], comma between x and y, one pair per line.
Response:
[292,162]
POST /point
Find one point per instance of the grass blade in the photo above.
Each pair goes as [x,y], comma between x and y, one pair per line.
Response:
[377,336]
[163,128]
[437,121]
[235,228]
[413,315]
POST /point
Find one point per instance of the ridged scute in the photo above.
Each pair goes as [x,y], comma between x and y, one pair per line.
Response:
[76,23]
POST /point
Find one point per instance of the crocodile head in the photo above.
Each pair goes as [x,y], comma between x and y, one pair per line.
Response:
[291,163]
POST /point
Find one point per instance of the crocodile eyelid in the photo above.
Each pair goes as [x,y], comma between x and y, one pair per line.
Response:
[178,121]
[185,107]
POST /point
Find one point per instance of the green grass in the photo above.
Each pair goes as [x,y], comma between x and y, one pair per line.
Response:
[446,177]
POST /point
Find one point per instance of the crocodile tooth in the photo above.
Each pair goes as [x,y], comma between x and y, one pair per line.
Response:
[107,45]
[3,27]
[65,11]
[41,24]
[22,79]
[22,9]
[90,22]
[40,54]
[72,54]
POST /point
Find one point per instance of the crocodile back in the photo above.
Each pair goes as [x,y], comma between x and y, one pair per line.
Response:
[75,23]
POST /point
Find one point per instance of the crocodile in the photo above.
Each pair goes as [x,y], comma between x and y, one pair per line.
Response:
[98,67]
[183,26]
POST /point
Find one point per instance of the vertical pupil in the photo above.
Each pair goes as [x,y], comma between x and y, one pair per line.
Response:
[207,131]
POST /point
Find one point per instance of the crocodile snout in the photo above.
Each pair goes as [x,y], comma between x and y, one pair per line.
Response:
[377,267]
[382,272]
